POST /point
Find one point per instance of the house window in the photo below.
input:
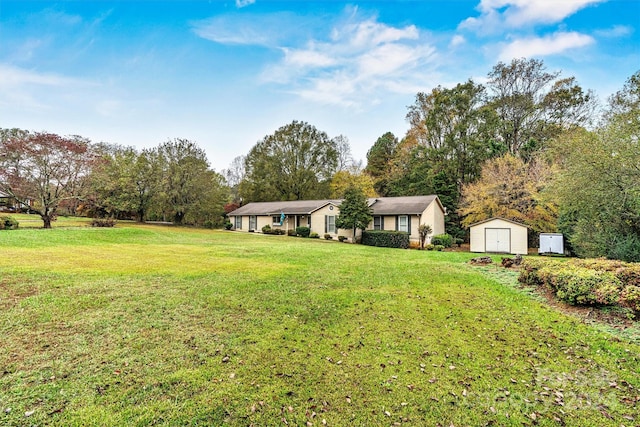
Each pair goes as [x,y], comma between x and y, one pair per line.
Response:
[275,220]
[252,222]
[330,224]
[238,224]
[377,223]
[403,223]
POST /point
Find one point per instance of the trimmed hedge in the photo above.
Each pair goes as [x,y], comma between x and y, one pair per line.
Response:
[442,240]
[303,231]
[386,239]
[587,282]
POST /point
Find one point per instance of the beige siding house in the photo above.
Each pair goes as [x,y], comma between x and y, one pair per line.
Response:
[499,235]
[389,213]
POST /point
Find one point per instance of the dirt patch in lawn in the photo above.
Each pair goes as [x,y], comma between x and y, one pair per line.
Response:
[12,292]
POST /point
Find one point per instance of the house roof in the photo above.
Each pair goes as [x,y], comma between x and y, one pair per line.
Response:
[498,218]
[411,205]
[294,207]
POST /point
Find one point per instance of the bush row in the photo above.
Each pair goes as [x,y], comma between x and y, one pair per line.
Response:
[386,239]
[8,223]
[268,230]
[587,282]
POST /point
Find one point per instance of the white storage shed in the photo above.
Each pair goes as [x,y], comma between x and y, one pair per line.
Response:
[499,235]
[551,243]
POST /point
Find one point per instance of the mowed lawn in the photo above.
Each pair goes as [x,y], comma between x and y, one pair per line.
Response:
[146,325]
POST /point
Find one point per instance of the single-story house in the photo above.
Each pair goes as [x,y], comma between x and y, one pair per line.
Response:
[389,213]
[499,235]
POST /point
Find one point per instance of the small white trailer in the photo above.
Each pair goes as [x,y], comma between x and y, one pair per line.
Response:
[551,243]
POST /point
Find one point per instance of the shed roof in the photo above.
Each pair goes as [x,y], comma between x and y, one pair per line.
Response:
[498,218]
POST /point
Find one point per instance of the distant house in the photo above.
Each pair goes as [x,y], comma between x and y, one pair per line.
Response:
[499,235]
[9,204]
[389,213]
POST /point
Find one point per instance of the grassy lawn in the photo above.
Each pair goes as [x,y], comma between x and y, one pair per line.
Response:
[147,325]
[34,221]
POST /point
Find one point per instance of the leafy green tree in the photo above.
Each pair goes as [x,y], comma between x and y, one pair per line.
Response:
[114,182]
[597,181]
[43,171]
[379,159]
[534,105]
[455,128]
[189,191]
[355,212]
[295,163]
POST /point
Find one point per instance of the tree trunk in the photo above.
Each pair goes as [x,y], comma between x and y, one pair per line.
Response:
[46,219]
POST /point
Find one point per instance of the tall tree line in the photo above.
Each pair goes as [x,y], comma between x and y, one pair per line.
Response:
[48,174]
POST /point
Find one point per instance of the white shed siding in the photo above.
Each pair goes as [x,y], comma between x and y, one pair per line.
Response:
[492,235]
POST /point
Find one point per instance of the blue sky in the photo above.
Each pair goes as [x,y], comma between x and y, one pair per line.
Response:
[226,73]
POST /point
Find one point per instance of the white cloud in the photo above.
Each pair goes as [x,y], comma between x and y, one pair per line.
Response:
[244,3]
[543,46]
[499,14]
[615,31]
[248,29]
[457,40]
[357,58]
[11,76]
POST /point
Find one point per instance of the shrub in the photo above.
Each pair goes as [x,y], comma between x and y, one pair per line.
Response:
[291,233]
[209,224]
[442,239]
[228,225]
[103,222]
[387,239]
[342,238]
[314,235]
[458,241]
[438,248]
[630,298]
[303,231]
[8,223]
[328,236]
[266,229]
[430,247]
[279,231]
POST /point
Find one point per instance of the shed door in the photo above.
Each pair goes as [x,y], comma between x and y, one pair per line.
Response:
[497,240]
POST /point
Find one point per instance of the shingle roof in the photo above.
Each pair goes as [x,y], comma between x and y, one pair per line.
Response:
[411,205]
[295,207]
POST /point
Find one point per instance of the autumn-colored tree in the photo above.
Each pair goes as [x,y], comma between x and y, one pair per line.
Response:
[344,179]
[510,188]
[42,170]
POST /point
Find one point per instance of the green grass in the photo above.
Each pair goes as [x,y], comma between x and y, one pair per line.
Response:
[34,221]
[147,325]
